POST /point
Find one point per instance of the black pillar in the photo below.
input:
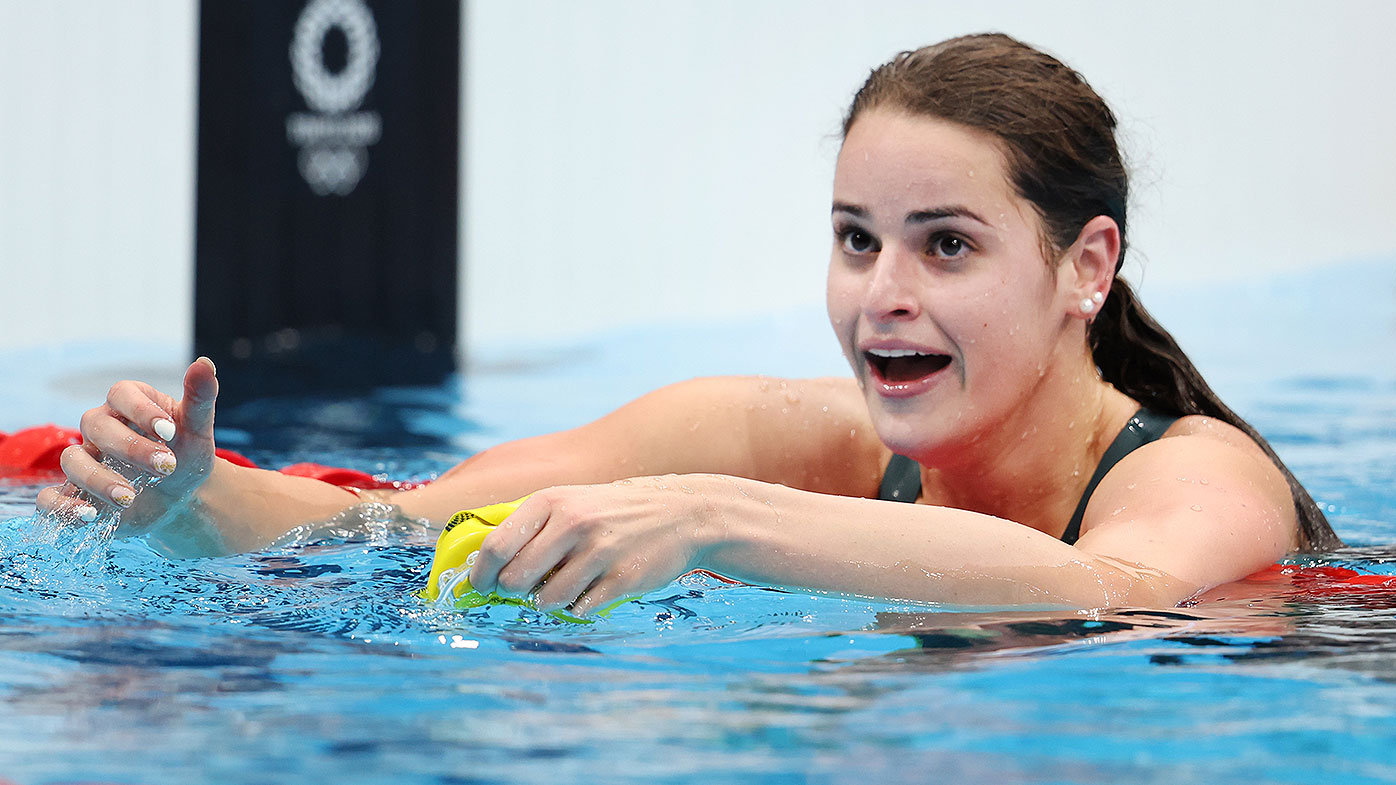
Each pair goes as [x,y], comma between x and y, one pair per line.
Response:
[327,193]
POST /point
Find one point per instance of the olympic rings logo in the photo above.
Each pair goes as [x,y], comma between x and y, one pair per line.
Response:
[330,92]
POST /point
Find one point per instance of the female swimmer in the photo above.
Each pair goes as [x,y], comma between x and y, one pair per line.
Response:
[979,225]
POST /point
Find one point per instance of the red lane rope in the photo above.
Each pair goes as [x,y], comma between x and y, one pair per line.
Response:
[32,455]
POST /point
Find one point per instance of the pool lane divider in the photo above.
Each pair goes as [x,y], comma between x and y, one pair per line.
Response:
[33,454]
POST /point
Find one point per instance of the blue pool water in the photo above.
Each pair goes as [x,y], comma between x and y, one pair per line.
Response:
[313,661]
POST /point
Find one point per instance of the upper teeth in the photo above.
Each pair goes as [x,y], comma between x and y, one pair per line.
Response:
[895,353]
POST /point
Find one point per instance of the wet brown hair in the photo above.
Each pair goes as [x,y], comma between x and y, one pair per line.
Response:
[1058,139]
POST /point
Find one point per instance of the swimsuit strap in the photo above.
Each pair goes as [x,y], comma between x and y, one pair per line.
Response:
[1144,427]
[902,481]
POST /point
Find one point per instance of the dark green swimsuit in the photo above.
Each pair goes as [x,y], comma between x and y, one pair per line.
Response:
[902,481]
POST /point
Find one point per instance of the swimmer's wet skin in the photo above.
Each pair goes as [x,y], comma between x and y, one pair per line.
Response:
[456,551]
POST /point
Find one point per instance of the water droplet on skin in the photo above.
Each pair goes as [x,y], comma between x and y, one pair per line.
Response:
[1204,482]
[825,409]
[1197,508]
[852,433]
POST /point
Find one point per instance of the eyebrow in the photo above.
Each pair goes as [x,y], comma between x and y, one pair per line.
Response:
[917,216]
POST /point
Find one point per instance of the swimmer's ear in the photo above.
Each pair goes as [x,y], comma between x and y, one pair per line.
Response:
[1088,268]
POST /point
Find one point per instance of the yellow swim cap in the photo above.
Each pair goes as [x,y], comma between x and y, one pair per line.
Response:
[456,550]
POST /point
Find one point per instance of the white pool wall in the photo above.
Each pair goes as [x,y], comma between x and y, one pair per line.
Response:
[631,163]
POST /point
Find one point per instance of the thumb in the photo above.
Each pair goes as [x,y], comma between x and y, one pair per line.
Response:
[200,394]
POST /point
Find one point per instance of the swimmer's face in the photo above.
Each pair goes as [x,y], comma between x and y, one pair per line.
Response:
[938,289]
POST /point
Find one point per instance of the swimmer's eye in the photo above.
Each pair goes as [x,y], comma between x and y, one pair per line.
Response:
[857,241]
[948,246]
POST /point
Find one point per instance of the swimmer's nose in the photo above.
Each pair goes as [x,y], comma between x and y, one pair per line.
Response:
[892,291]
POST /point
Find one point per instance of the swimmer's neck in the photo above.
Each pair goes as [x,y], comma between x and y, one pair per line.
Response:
[1033,466]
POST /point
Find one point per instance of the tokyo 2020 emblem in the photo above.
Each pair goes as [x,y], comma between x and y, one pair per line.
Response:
[334,137]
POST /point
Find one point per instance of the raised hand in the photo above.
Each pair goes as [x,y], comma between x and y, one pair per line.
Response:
[148,431]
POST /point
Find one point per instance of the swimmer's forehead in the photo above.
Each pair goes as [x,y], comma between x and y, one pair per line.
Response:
[922,169]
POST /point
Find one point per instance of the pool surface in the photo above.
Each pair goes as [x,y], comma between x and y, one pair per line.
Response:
[313,661]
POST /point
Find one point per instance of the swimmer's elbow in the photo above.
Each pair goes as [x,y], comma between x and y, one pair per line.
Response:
[1115,583]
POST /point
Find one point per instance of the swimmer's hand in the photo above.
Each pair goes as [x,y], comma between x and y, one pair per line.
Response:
[149,431]
[583,547]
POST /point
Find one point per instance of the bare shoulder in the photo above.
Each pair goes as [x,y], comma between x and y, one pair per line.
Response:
[812,434]
[1203,503]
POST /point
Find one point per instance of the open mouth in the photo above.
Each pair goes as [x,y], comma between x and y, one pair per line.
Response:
[900,366]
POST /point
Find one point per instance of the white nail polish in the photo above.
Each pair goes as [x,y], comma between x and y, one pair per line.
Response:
[87,513]
[164,429]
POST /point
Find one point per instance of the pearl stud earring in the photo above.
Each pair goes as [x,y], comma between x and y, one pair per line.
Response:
[1097,298]
[1087,305]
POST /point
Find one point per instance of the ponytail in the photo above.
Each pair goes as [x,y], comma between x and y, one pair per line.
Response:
[1136,355]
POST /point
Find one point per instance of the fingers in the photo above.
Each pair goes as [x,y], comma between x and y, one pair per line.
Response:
[504,543]
[143,406]
[551,551]
[571,581]
[88,474]
[104,434]
[200,395]
[54,501]
[600,596]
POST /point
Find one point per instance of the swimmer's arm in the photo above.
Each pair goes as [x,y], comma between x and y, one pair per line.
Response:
[723,424]
[1208,508]
[236,509]
[811,434]
[1171,538]
[602,543]
[922,553]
